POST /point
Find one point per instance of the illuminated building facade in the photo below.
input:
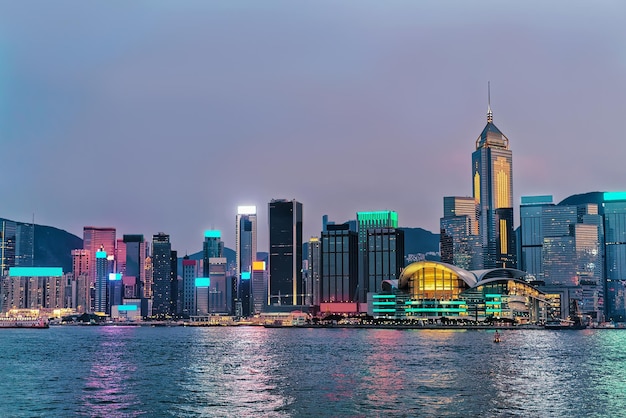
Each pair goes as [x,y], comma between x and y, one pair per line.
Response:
[614,207]
[32,288]
[285,255]
[162,298]
[220,289]
[212,247]
[25,245]
[259,287]
[366,221]
[245,255]
[339,264]
[8,231]
[189,273]
[459,243]
[102,281]
[384,256]
[245,238]
[561,246]
[134,276]
[492,171]
[314,259]
[429,290]
[95,238]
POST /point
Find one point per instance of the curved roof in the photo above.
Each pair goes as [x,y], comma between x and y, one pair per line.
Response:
[496,279]
[467,276]
[500,273]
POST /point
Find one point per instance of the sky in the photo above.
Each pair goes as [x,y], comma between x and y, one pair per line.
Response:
[165,116]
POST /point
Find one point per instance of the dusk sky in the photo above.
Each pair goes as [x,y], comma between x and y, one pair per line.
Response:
[164,116]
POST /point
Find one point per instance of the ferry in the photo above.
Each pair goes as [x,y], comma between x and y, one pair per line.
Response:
[23,322]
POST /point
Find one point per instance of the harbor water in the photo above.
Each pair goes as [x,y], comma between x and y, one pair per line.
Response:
[125,371]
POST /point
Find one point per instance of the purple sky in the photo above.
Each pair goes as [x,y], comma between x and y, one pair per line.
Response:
[165,116]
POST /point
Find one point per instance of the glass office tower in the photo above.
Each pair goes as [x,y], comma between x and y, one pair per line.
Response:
[285,258]
[339,264]
[492,171]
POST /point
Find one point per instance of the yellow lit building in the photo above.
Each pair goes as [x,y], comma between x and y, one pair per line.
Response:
[435,290]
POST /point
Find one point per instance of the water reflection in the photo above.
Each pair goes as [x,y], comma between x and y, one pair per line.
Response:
[231,373]
[109,387]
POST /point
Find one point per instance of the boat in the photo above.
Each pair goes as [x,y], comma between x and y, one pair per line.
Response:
[564,324]
[23,322]
[496,337]
[574,321]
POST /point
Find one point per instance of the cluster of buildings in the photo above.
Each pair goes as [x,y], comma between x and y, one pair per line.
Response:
[563,259]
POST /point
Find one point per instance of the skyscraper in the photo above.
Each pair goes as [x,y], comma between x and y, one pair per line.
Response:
[8,231]
[561,245]
[212,247]
[161,274]
[314,269]
[95,238]
[459,232]
[259,287]
[134,278]
[102,281]
[339,264]
[246,247]
[366,221]
[285,258]
[245,238]
[190,272]
[25,245]
[492,171]
[384,257]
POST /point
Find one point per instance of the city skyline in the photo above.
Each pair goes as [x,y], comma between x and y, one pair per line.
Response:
[239,105]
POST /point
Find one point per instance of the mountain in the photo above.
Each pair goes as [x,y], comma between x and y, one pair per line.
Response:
[53,247]
[420,241]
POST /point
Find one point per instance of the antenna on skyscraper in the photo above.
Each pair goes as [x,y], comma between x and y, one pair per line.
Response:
[489,112]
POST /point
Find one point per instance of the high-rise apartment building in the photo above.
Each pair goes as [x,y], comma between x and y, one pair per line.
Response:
[80,262]
[365,222]
[161,275]
[492,171]
[285,257]
[339,264]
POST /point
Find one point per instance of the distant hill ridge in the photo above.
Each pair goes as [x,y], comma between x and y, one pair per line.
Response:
[53,246]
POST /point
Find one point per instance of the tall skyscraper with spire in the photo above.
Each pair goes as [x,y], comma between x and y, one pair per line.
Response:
[492,171]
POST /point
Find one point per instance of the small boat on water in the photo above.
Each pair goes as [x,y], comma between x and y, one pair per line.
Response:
[23,322]
[564,324]
[496,337]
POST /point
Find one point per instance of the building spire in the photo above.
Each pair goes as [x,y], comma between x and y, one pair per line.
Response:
[489,112]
